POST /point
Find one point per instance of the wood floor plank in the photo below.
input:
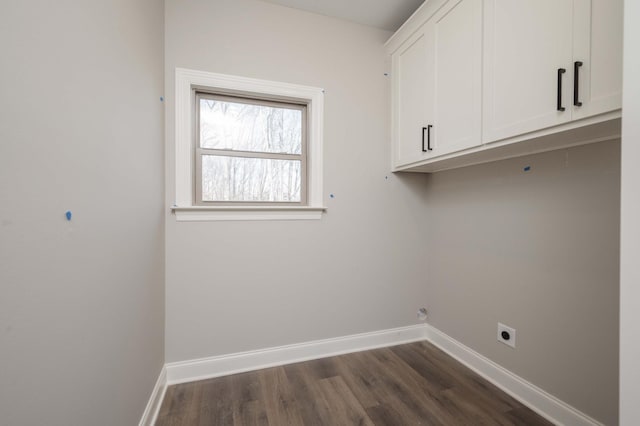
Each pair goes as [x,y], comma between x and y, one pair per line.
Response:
[395,396]
[373,385]
[178,397]
[215,406]
[342,404]
[180,406]
[248,407]
[323,368]
[383,415]
[416,394]
[304,380]
[420,363]
[171,400]
[467,410]
[462,377]
[362,381]
[252,413]
[431,394]
[523,416]
[278,398]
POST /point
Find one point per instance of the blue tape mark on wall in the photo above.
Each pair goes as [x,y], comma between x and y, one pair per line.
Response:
[527,168]
[68,215]
[332,196]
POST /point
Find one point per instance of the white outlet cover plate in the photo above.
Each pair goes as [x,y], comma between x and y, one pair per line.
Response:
[512,332]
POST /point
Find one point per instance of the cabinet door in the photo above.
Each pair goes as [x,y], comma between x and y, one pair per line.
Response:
[457,124]
[412,96]
[598,54]
[437,85]
[525,43]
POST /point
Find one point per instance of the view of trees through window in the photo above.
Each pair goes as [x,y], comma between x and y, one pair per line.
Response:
[250,152]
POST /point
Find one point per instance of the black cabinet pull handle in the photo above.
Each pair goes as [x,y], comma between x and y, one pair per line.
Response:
[576,84]
[423,129]
[428,129]
[560,72]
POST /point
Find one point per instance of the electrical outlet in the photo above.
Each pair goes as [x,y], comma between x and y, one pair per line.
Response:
[507,335]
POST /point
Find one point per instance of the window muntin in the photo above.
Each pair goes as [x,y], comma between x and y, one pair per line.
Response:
[249,151]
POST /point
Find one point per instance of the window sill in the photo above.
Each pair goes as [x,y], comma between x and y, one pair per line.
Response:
[221,213]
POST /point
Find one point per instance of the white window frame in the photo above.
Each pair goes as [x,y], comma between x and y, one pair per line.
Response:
[201,151]
[185,207]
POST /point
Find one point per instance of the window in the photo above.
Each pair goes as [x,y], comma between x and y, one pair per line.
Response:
[249,151]
[246,149]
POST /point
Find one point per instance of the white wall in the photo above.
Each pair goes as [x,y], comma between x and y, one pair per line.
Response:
[81,302]
[630,228]
[537,251]
[236,286]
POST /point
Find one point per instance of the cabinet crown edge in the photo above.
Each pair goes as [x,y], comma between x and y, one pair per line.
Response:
[413,23]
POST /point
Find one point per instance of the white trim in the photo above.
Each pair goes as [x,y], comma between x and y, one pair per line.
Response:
[187,79]
[205,213]
[543,403]
[152,409]
[198,369]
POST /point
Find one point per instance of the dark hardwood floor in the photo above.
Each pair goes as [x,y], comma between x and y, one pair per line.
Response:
[413,384]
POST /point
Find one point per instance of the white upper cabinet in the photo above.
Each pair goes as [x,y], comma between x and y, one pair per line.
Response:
[598,47]
[458,77]
[479,80]
[413,89]
[437,84]
[527,57]
[548,62]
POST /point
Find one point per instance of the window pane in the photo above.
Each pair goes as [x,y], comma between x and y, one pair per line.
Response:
[245,127]
[250,179]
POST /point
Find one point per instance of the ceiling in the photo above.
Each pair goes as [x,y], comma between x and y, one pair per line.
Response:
[383,14]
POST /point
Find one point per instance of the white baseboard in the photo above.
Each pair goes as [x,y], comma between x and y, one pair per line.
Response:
[198,369]
[150,414]
[545,404]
